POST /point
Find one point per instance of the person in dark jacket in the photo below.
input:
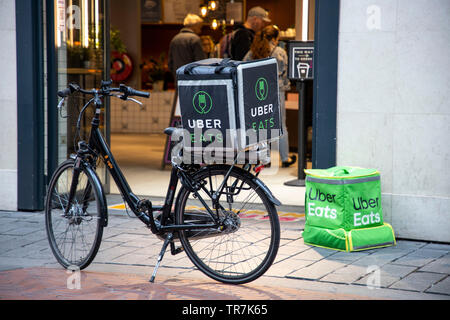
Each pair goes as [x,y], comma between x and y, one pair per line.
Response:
[265,45]
[186,46]
[243,37]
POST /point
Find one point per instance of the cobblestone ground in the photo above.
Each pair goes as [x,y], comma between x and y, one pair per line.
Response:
[409,270]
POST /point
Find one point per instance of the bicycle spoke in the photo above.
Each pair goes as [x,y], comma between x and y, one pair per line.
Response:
[73,233]
[244,248]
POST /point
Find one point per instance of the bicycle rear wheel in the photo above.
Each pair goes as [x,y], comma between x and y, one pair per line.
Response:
[74,234]
[246,243]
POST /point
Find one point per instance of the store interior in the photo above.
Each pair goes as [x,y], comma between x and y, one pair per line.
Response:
[141,32]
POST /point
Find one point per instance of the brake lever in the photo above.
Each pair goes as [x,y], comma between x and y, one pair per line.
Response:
[134,100]
[126,98]
[60,104]
[141,105]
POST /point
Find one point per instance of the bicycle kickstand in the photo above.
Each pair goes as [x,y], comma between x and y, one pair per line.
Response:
[161,254]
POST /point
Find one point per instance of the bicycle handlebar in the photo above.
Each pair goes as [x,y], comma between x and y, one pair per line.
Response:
[128,91]
[105,90]
[64,93]
[69,90]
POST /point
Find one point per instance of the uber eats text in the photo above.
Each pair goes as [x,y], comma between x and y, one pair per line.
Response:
[205,124]
[325,205]
[259,111]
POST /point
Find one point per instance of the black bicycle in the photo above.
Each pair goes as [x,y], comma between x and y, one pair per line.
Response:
[224,216]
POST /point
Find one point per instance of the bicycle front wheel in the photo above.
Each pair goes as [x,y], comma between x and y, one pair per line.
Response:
[74,229]
[245,244]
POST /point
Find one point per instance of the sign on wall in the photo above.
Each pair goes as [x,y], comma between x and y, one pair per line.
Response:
[151,10]
[300,56]
[174,11]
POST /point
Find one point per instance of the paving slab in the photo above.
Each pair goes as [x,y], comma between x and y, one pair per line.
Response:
[427,253]
[442,287]
[348,256]
[418,281]
[414,261]
[287,266]
[317,270]
[409,244]
[437,246]
[315,253]
[381,257]
[109,255]
[440,265]
[347,274]
[385,275]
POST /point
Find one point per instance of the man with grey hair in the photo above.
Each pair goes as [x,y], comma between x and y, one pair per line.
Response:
[186,46]
[243,37]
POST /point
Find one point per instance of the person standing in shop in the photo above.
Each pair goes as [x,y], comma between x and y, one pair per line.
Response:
[208,46]
[243,36]
[186,46]
[265,44]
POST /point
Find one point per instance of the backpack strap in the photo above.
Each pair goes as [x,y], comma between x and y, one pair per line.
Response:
[223,64]
[219,66]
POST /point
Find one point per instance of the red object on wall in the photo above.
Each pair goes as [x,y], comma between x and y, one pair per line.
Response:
[121,66]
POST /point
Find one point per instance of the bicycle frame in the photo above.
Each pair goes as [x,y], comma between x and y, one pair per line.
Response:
[196,181]
[143,209]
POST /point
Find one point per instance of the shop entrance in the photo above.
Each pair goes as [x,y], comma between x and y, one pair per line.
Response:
[145,32]
[77,47]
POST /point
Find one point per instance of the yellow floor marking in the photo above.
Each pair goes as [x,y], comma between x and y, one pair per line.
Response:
[120,206]
[287,216]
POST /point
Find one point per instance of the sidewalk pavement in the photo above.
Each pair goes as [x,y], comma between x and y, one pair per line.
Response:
[128,253]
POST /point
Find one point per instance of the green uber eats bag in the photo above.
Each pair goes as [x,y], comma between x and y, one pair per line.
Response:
[343,209]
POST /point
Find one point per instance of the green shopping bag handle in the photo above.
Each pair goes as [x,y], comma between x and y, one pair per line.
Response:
[340,171]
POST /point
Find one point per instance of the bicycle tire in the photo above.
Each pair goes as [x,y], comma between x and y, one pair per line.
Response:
[248,245]
[74,238]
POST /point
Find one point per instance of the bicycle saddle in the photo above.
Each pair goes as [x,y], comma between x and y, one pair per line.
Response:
[170,130]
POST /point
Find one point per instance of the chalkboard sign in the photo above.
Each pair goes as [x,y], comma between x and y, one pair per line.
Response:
[151,10]
[300,55]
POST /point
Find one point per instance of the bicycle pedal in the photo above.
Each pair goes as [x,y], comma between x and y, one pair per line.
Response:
[174,250]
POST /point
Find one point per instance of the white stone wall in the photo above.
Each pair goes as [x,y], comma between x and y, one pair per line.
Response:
[153,117]
[394,107]
[8,106]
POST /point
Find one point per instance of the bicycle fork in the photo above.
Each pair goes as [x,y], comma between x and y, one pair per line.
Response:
[73,185]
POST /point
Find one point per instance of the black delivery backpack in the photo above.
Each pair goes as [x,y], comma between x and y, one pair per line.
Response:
[229,104]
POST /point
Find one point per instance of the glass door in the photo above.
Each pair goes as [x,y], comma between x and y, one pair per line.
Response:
[80,58]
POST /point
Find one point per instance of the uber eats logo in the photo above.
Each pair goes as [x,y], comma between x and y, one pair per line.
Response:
[261,89]
[325,205]
[263,113]
[202,102]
